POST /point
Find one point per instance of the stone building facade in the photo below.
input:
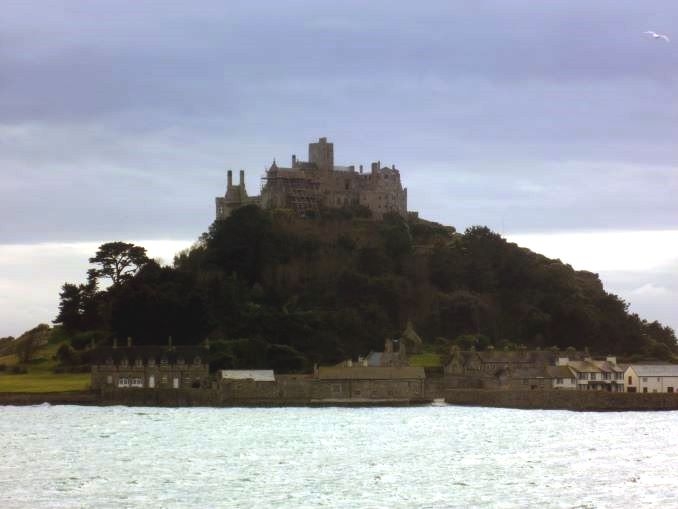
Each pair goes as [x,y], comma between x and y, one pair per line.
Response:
[307,186]
[150,367]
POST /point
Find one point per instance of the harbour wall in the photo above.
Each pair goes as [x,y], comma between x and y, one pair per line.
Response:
[563,400]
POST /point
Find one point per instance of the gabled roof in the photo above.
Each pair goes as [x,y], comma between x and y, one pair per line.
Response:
[157,353]
[584,367]
[257,375]
[560,372]
[655,369]
[608,366]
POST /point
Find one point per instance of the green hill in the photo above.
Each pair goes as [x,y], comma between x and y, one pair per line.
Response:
[270,289]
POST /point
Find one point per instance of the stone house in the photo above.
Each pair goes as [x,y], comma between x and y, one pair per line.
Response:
[651,378]
[402,383]
[150,367]
[307,186]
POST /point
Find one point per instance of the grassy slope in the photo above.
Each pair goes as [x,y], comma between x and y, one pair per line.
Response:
[41,376]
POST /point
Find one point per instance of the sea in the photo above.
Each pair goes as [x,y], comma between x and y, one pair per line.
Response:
[415,457]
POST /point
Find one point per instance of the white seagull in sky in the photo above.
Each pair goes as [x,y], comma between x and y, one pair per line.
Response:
[655,35]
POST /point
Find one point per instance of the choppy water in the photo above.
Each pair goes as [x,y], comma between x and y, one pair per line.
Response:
[69,456]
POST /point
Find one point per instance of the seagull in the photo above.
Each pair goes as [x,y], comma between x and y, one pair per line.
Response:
[655,35]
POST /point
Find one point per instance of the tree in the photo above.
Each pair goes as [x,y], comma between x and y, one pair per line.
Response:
[118,261]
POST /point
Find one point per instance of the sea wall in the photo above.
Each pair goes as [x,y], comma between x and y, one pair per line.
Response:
[563,400]
[53,398]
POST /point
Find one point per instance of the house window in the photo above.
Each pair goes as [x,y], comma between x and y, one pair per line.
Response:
[151,362]
[163,379]
[644,389]
[124,363]
[630,380]
[593,376]
[109,379]
[123,382]
[669,389]
[163,361]
[559,381]
[196,360]
[137,382]
[139,363]
[644,379]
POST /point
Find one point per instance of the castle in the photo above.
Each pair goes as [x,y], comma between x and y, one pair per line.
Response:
[307,186]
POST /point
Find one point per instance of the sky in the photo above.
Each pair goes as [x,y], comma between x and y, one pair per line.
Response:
[553,123]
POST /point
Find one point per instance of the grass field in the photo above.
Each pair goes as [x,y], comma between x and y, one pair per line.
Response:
[41,376]
[425,360]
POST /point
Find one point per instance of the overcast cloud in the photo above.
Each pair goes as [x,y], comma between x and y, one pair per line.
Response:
[118,119]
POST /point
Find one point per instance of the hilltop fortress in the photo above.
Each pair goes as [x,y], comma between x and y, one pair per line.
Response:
[307,186]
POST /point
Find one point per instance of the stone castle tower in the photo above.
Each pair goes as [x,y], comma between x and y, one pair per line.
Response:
[307,186]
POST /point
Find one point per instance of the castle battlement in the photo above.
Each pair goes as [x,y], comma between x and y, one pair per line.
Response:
[307,186]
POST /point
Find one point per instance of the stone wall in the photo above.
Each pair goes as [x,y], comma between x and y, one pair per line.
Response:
[563,400]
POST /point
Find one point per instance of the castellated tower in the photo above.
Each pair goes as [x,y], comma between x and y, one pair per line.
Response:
[321,154]
[307,186]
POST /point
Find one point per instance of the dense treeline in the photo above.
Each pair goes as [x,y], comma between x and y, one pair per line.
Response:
[273,290]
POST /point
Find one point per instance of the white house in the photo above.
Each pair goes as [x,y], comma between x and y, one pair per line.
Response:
[651,378]
[594,375]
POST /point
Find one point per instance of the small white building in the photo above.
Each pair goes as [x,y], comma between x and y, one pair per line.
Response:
[651,378]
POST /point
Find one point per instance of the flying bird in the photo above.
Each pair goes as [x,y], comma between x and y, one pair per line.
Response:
[655,35]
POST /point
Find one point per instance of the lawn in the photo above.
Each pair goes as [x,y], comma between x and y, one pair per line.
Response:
[44,382]
[425,360]
[41,376]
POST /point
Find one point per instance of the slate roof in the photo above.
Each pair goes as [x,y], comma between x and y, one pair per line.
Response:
[560,372]
[655,369]
[131,354]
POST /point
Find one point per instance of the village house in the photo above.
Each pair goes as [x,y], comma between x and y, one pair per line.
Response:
[651,378]
[378,376]
[595,375]
[149,367]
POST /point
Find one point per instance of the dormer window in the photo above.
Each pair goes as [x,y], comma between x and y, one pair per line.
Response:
[151,361]
[163,361]
[109,361]
[138,363]
[124,362]
[196,360]
[180,361]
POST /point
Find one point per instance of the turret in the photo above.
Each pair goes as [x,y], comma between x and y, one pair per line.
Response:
[322,154]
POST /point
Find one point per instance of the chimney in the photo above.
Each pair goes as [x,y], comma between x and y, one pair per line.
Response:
[611,360]
[361,168]
[129,342]
[562,361]
[375,167]
[230,179]
[207,343]
[115,343]
[294,160]
[169,343]
[393,166]
[242,178]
